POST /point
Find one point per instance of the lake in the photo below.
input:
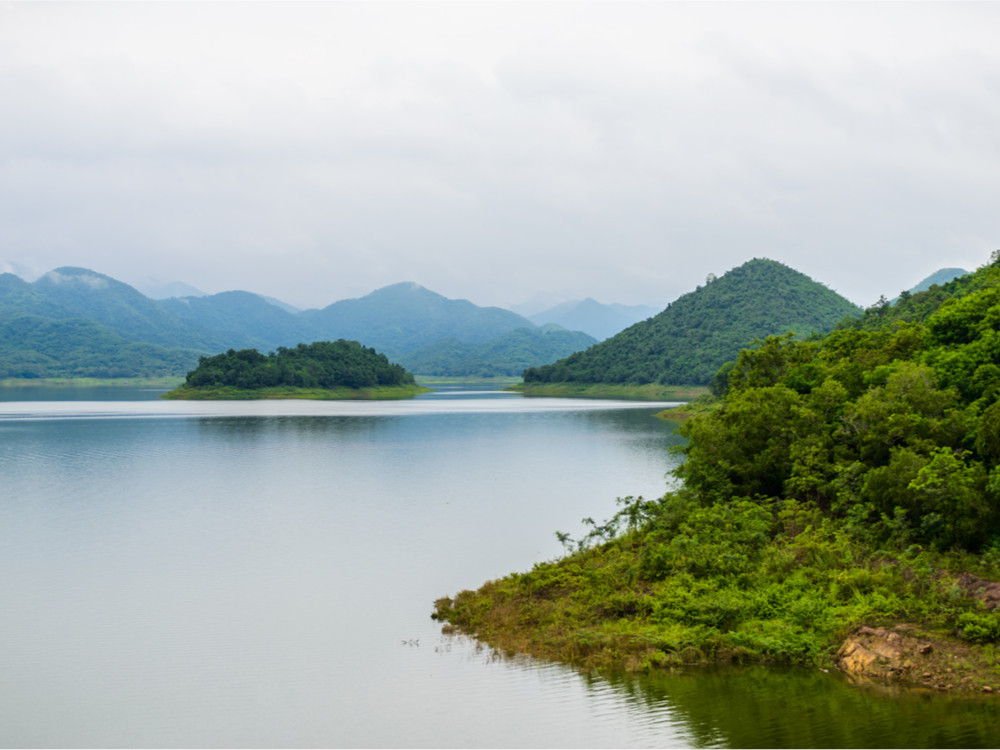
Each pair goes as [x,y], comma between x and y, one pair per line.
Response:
[261,574]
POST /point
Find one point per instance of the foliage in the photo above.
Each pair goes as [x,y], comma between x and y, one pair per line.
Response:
[841,480]
[34,347]
[894,430]
[462,337]
[688,342]
[324,364]
[508,355]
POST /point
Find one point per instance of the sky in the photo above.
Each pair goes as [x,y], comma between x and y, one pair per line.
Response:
[497,151]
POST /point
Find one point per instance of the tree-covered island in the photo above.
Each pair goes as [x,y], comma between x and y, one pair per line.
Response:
[840,508]
[321,370]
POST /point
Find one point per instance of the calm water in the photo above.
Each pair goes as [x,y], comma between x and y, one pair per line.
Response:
[262,574]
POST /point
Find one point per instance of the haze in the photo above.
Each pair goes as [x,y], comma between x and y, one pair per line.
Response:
[495,151]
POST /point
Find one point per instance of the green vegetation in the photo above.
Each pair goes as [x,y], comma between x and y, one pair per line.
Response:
[166,381]
[646,392]
[34,347]
[73,322]
[688,342]
[507,355]
[338,369]
[847,480]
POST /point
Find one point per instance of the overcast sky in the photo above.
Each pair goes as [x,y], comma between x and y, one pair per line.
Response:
[494,151]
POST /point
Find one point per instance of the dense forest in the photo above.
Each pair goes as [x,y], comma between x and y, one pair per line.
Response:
[843,481]
[324,364]
[688,342]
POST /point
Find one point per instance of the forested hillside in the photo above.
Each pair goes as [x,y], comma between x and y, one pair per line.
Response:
[74,322]
[688,342]
[32,346]
[507,355]
[401,318]
[846,487]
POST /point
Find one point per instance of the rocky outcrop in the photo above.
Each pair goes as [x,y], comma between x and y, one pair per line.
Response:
[987,592]
[900,655]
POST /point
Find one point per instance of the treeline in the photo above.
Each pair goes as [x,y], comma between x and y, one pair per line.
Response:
[32,346]
[688,342]
[893,429]
[323,364]
[850,479]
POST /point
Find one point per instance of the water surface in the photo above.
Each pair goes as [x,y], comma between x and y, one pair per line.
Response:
[262,574]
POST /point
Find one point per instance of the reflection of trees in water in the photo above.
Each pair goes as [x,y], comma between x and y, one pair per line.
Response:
[311,427]
[761,707]
[774,707]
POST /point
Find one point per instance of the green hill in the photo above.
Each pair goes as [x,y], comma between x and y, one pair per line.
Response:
[242,319]
[324,369]
[845,487]
[115,319]
[509,354]
[401,318]
[82,293]
[688,342]
[32,346]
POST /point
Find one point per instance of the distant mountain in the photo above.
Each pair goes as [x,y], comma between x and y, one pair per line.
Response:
[509,354]
[32,346]
[938,277]
[688,342]
[283,305]
[86,294]
[171,289]
[76,322]
[244,320]
[401,318]
[594,318]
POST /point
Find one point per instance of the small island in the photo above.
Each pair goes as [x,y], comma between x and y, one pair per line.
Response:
[321,370]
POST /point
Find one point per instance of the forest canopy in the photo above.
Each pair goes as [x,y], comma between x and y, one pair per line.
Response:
[891,423]
[323,364]
[688,342]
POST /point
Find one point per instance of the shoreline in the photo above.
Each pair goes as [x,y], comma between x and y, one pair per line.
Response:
[647,392]
[164,381]
[228,393]
[713,591]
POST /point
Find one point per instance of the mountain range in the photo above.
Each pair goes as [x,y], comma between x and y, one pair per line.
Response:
[75,322]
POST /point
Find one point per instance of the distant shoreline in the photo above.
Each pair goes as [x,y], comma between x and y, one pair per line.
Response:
[647,392]
[163,381]
[227,393]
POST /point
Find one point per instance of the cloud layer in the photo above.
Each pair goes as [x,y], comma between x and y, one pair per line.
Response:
[621,151]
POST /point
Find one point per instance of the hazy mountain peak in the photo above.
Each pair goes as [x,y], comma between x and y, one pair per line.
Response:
[70,275]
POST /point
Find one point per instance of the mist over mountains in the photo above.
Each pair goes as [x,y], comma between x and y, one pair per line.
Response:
[75,322]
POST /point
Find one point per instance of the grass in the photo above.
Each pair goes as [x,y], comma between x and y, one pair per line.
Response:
[498,381]
[284,392]
[646,392]
[165,381]
[736,583]
[704,403]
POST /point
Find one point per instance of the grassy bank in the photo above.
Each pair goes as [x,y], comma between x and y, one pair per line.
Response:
[284,392]
[499,381]
[688,409]
[166,381]
[647,392]
[667,583]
